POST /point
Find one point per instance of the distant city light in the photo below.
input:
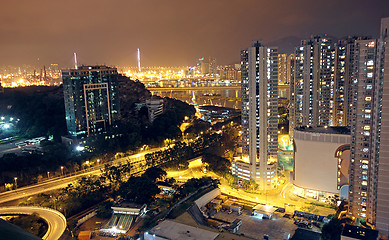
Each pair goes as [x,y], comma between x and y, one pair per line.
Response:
[80,148]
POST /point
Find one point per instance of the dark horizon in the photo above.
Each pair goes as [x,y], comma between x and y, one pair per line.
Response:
[169,33]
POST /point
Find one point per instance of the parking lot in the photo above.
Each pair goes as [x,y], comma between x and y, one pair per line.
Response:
[255,227]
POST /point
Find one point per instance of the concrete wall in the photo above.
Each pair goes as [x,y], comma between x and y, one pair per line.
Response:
[86,218]
[201,202]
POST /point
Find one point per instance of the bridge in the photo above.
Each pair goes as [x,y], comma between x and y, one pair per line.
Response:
[164,89]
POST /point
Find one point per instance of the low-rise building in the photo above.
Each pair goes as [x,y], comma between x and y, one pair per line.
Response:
[321,161]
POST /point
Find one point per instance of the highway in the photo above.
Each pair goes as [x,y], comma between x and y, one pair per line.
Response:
[42,187]
[61,182]
[55,220]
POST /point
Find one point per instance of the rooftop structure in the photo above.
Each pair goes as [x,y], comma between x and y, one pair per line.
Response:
[350,232]
[177,231]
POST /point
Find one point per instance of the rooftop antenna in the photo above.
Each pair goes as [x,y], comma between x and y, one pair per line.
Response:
[75,61]
[138,59]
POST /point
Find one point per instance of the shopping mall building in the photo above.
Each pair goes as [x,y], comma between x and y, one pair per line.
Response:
[321,162]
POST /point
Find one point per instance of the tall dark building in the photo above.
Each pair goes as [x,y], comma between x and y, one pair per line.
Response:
[91,99]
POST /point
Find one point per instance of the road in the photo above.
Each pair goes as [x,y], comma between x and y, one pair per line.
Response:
[281,197]
[55,220]
[9,148]
[60,182]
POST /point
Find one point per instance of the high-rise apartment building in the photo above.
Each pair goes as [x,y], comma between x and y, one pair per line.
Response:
[313,83]
[321,85]
[259,71]
[91,99]
[282,68]
[285,68]
[369,167]
[343,77]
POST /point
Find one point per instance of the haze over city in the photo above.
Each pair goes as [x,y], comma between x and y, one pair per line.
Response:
[201,120]
[170,33]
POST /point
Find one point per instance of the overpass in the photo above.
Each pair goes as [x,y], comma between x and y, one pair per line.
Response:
[56,222]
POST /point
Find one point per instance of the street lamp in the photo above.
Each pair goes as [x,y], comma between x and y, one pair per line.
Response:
[48,174]
[62,170]
[16,182]
[98,161]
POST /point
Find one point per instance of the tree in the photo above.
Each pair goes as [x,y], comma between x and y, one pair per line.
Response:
[105,210]
[332,230]
[30,223]
[155,173]
[217,164]
[139,189]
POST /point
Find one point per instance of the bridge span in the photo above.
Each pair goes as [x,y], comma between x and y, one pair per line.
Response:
[164,89]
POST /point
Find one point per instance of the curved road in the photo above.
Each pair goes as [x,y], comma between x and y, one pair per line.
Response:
[55,220]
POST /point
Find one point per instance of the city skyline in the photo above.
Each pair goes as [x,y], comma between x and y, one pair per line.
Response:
[174,33]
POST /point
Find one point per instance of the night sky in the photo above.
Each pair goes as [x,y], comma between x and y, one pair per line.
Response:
[169,32]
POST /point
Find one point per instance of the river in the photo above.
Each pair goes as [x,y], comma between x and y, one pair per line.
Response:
[225,98]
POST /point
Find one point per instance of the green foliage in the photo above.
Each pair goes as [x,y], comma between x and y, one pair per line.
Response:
[195,183]
[30,223]
[24,167]
[74,198]
[217,164]
[197,126]
[332,230]
[232,179]
[105,210]
[155,173]
[40,109]
[139,189]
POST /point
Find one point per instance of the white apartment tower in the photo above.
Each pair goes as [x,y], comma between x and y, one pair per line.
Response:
[259,68]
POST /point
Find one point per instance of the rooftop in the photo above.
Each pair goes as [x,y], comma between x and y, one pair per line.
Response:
[328,130]
[359,232]
[177,231]
[127,204]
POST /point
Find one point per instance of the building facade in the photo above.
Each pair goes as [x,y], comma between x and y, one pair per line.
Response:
[259,71]
[321,160]
[369,167]
[206,65]
[91,99]
[313,82]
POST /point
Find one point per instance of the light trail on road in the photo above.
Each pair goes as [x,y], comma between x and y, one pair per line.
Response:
[55,220]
